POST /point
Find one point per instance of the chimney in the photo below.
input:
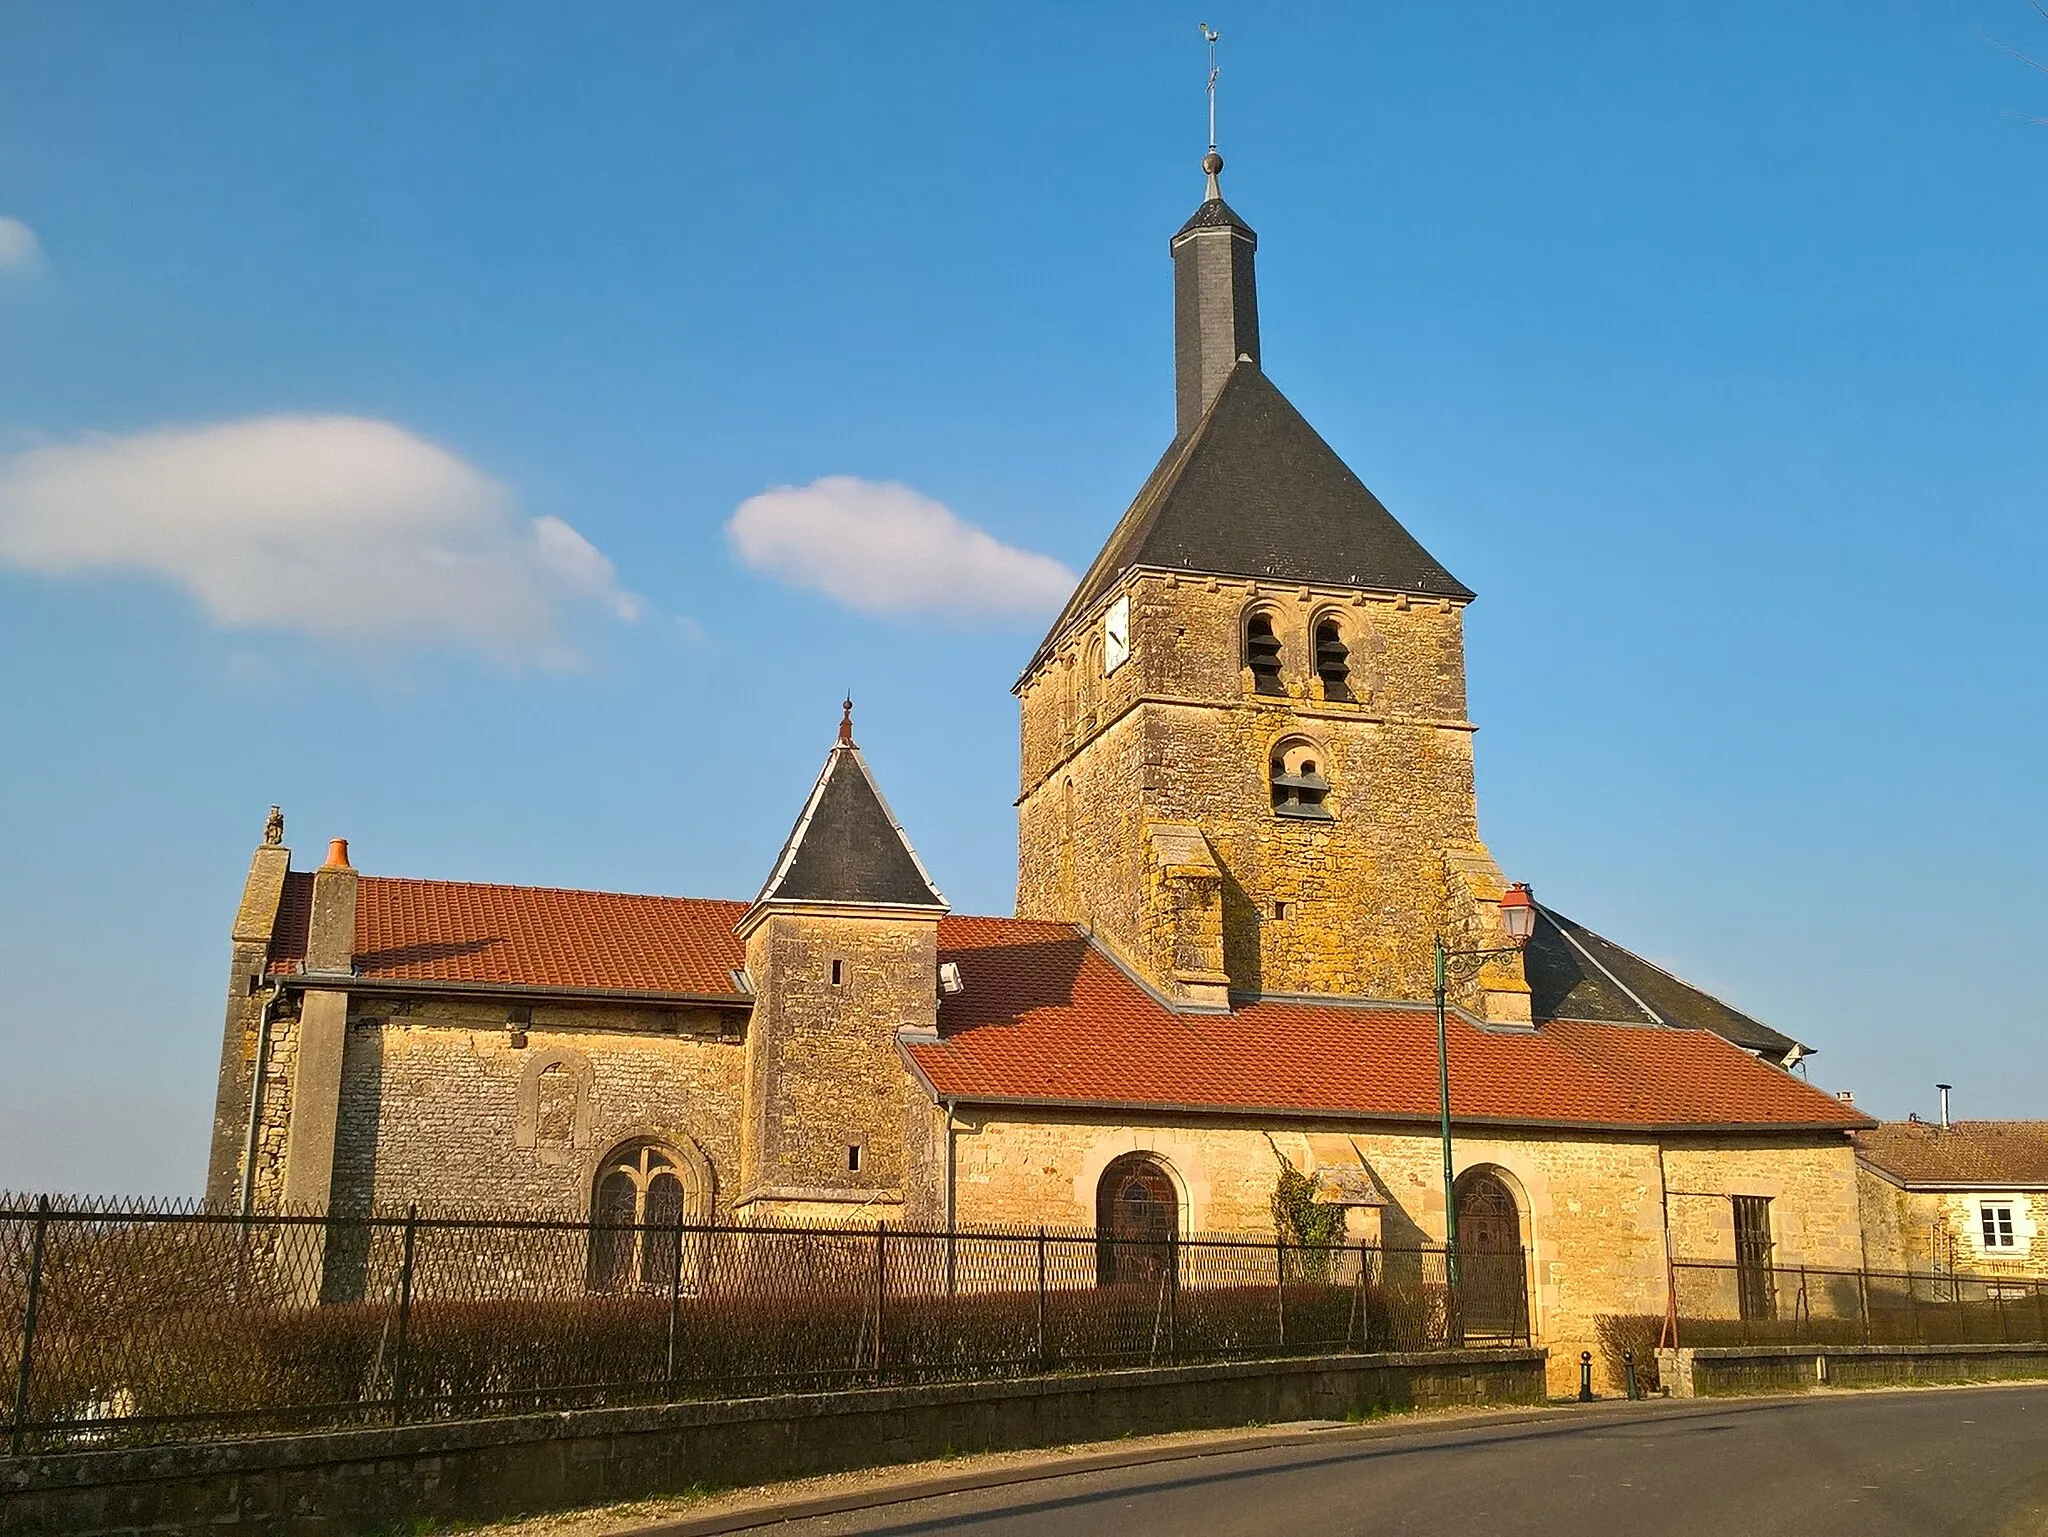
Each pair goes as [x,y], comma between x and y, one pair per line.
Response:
[1846,1096]
[1944,1087]
[1215,302]
[331,939]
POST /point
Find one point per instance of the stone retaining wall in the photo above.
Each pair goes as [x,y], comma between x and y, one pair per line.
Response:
[1710,1371]
[370,1481]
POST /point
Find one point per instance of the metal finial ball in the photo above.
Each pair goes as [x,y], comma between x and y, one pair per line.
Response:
[1212,163]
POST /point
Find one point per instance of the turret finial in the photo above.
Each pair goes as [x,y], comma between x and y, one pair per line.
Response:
[1212,163]
[846,721]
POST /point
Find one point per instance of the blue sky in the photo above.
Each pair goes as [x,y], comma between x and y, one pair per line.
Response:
[1703,341]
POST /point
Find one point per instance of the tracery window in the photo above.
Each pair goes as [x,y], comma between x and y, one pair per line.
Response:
[636,1204]
[1137,1214]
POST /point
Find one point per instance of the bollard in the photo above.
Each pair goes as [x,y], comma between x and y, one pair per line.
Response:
[1628,1370]
[1585,1376]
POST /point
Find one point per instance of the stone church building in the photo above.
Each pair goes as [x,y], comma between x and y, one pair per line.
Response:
[1246,814]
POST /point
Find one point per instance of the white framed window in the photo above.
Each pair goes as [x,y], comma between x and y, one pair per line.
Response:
[1995,1224]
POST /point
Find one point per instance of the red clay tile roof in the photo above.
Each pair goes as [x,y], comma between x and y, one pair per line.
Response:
[1048,1018]
[534,936]
[1985,1155]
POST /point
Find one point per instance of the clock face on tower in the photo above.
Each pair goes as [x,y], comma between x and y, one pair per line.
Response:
[1116,635]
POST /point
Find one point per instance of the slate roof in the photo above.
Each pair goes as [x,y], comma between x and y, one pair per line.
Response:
[1254,491]
[1575,973]
[847,847]
[1216,214]
[1983,1155]
[1047,1018]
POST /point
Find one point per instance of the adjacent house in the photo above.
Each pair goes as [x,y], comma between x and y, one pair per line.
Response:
[1961,1195]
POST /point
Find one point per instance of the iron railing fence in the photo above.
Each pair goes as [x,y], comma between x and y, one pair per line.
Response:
[1736,1304]
[130,1323]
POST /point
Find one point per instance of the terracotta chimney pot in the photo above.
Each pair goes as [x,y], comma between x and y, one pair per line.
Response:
[337,855]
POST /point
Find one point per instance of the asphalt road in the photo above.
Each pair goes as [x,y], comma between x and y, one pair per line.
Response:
[1915,1464]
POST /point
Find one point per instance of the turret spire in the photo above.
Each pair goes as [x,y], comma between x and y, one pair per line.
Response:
[1215,300]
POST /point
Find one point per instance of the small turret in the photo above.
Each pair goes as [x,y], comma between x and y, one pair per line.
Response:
[842,947]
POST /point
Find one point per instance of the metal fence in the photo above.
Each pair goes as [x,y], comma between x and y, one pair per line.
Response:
[130,1323]
[1736,1304]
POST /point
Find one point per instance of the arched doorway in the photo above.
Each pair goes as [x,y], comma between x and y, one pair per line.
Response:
[1492,1276]
[1137,1221]
[640,1194]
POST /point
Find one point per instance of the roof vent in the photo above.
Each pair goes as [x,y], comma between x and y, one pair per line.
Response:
[951,983]
[1846,1096]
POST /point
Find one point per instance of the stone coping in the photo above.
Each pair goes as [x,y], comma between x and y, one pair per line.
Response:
[1804,1352]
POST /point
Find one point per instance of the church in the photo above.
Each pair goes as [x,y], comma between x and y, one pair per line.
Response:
[1246,823]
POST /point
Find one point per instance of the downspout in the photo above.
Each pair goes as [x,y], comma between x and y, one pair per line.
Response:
[256,1097]
[1667,1336]
[947,1106]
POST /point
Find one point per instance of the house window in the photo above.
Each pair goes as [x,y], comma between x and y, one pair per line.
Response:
[1299,788]
[1333,659]
[853,1158]
[838,972]
[1995,1223]
[1262,654]
[1755,1283]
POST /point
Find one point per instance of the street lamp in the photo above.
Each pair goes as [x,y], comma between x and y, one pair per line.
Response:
[1518,917]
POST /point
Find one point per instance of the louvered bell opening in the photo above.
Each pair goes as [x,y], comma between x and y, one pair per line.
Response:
[1333,659]
[1262,654]
[1300,794]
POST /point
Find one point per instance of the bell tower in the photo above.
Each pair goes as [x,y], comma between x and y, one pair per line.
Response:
[1246,760]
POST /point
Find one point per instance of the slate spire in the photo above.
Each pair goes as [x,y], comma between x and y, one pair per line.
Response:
[1215,301]
[847,848]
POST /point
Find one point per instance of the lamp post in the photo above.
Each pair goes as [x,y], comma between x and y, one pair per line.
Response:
[1518,917]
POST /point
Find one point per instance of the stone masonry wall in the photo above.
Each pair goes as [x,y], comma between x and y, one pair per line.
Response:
[1179,735]
[439,1106]
[824,1075]
[1592,1205]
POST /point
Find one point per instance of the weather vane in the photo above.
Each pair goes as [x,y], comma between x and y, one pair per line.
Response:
[1210,36]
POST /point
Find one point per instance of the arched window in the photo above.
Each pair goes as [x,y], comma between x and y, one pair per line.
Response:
[1091,678]
[555,1106]
[1300,789]
[1137,1221]
[1492,1277]
[1262,654]
[1333,658]
[635,1205]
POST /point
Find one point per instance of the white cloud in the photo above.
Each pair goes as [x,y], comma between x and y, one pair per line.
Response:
[883,548]
[347,529]
[21,254]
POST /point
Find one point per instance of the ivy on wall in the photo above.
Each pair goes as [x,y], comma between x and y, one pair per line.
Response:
[1298,1217]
